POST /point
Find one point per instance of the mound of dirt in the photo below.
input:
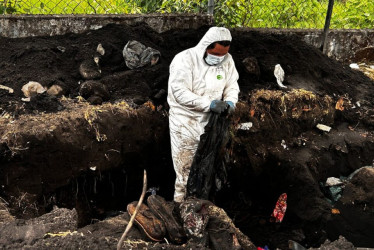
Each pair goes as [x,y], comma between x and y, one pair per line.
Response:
[63,151]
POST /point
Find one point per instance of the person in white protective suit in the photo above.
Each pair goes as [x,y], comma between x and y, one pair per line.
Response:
[202,79]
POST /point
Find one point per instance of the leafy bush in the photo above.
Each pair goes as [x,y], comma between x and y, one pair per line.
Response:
[353,14]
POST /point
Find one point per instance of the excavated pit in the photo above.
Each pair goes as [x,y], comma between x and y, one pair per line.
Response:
[67,153]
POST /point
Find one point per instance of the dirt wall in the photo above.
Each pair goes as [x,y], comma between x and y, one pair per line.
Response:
[343,45]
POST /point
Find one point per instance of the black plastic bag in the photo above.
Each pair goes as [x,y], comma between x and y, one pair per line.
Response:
[208,170]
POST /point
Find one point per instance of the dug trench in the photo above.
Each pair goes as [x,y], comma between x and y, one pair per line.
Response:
[64,152]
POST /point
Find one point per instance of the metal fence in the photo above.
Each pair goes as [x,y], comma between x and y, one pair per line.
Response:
[64,7]
[233,13]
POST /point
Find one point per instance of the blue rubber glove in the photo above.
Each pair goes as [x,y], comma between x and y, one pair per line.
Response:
[218,106]
[231,107]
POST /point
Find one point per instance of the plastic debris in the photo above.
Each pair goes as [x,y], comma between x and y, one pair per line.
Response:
[208,170]
[137,55]
[10,90]
[335,211]
[335,192]
[333,188]
[263,248]
[280,208]
[245,126]
[93,168]
[323,127]
[279,74]
[333,181]
[354,66]
[153,190]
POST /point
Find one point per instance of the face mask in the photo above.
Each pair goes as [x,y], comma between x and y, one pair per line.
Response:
[213,60]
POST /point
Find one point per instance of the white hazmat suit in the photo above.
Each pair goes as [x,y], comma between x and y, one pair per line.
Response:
[193,85]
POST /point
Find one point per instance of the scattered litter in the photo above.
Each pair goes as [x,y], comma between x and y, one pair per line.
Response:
[358,104]
[335,211]
[245,126]
[323,127]
[10,90]
[27,99]
[354,66]
[279,74]
[31,89]
[93,168]
[100,49]
[137,55]
[263,248]
[153,190]
[62,49]
[333,181]
[283,144]
[280,208]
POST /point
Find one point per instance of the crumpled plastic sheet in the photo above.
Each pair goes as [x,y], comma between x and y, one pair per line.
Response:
[280,208]
[208,170]
[137,55]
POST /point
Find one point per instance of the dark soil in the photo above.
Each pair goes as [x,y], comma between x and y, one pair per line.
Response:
[62,151]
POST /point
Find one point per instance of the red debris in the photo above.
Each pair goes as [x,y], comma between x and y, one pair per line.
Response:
[280,208]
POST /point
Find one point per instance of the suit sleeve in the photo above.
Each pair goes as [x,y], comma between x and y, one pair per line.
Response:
[180,81]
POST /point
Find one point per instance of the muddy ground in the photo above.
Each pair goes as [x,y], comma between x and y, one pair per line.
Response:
[61,153]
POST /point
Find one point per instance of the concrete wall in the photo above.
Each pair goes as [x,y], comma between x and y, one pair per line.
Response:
[49,25]
[343,45]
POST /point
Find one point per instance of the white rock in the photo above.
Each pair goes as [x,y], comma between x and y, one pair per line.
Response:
[32,88]
[323,127]
[333,181]
[55,90]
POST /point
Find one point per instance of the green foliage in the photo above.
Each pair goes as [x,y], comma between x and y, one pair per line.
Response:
[353,14]
[8,7]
